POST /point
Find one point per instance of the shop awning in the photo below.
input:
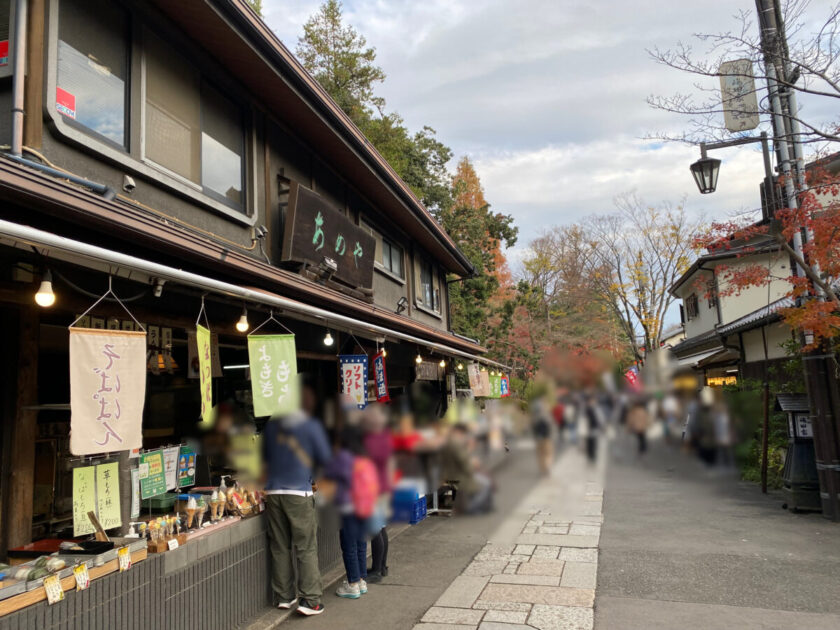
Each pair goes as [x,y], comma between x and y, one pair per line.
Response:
[696,358]
[91,254]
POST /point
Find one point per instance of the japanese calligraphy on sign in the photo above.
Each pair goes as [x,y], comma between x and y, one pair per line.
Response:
[474,374]
[273,361]
[495,386]
[96,489]
[205,373]
[505,387]
[153,482]
[107,390]
[354,373]
[381,378]
[737,89]
[314,230]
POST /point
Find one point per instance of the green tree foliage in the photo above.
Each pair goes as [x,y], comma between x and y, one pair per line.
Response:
[339,58]
[256,5]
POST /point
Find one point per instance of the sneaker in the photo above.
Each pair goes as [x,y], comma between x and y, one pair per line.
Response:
[362,586]
[286,605]
[307,608]
[349,591]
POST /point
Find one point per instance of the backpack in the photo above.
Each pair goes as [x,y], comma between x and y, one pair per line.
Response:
[364,487]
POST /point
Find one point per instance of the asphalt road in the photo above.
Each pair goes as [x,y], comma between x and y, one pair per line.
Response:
[683,549]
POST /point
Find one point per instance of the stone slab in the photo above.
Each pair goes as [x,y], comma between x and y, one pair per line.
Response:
[579,555]
[580,575]
[559,540]
[462,616]
[552,595]
[546,552]
[536,580]
[495,625]
[485,568]
[537,566]
[524,550]
[561,618]
[579,529]
[513,606]
[505,616]
[463,591]
[442,626]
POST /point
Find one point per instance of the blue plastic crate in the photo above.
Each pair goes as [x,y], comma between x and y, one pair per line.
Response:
[410,513]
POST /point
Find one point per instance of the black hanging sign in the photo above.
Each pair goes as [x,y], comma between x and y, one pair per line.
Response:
[317,233]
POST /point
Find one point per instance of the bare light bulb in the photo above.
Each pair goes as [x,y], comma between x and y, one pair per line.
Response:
[442,363]
[460,366]
[242,325]
[45,296]
[328,340]
[419,359]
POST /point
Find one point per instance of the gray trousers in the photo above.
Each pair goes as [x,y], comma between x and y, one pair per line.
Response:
[293,523]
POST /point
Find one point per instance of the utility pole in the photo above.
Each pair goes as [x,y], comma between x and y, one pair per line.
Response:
[821,368]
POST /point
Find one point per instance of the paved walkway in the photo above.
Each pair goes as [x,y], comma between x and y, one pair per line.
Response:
[539,568]
[685,548]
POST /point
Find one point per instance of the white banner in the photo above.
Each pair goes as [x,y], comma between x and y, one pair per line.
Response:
[107,390]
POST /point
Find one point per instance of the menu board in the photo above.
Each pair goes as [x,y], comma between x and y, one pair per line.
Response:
[84,499]
[152,475]
[186,467]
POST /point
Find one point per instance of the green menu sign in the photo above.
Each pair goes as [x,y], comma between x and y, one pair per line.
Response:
[152,475]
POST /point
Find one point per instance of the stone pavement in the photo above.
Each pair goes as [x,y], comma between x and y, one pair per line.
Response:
[539,568]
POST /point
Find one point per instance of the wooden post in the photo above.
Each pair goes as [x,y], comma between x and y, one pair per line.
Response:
[33,122]
[25,430]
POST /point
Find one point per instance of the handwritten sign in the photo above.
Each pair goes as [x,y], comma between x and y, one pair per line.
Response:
[108,495]
[495,386]
[170,466]
[738,95]
[354,371]
[52,585]
[124,558]
[84,499]
[427,371]
[381,378]
[205,373]
[474,374]
[80,572]
[107,390]
[314,230]
[155,482]
[186,467]
[273,361]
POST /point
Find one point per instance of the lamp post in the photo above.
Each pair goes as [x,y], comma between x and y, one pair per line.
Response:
[706,170]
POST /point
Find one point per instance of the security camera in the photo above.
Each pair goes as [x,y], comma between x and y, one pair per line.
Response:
[128,184]
[261,231]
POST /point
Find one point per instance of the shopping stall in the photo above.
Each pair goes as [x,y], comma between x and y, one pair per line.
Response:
[142,389]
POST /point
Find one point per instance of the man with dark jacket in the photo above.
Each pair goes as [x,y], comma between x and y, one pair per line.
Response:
[295,446]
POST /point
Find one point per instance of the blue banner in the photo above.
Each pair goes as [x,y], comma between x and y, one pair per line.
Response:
[354,376]
[381,378]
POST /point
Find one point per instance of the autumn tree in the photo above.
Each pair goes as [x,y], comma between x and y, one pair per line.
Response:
[481,234]
[638,253]
[256,5]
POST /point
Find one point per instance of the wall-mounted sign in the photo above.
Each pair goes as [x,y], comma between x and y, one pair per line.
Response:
[495,386]
[107,390]
[381,378]
[505,387]
[428,371]
[354,373]
[316,231]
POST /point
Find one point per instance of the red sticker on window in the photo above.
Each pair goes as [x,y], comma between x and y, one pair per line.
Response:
[4,52]
[65,102]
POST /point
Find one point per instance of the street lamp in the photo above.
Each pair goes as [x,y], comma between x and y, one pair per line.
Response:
[705,172]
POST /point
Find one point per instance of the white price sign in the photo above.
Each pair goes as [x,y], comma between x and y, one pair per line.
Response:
[124,558]
[52,585]
[80,572]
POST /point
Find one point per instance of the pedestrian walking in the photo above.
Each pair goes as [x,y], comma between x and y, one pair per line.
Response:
[541,426]
[638,420]
[379,448]
[295,447]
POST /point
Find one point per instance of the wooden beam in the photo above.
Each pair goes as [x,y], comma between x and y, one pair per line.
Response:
[33,121]
[24,432]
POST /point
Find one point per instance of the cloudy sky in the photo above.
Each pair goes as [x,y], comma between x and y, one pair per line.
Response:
[547,97]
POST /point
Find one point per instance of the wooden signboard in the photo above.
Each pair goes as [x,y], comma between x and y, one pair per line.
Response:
[315,230]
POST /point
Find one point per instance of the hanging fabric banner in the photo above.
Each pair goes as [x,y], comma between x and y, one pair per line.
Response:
[273,361]
[495,386]
[381,378]
[107,390]
[484,389]
[505,387]
[354,373]
[205,373]
[474,374]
